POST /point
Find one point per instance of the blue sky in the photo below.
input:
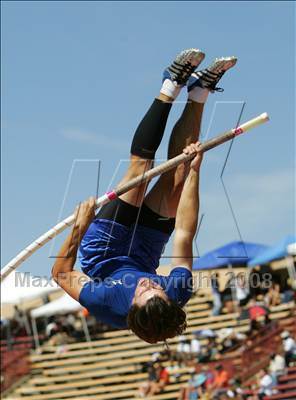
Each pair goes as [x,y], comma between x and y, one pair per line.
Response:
[77,78]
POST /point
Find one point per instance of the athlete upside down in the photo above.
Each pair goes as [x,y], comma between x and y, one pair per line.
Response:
[120,247]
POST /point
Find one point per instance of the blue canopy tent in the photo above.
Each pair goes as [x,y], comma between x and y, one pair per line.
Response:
[273,253]
[234,253]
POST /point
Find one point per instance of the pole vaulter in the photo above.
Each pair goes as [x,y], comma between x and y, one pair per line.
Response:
[109,196]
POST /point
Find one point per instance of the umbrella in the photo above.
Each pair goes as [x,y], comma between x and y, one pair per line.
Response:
[64,305]
[234,253]
[273,253]
[19,287]
[198,380]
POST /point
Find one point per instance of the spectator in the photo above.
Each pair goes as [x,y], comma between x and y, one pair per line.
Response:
[195,346]
[255,328]
[229,338]
[163,378]
[195,388]
[276,366]
[69,324]
[221,377]
[183,345]
[147,387]
[289,292]
[265,383]
[242,290]
[210,351]
[173,371]
[257,310]
[273,296]
[22,322]
[61,338]
[217,302]
[155,356]
[165,355]
[289,346]
[228,295]
[210,376]
[183,350]
[158,378]
[235,389]
[51,328]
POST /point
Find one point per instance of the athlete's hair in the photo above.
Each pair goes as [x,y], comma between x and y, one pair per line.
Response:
[157,320]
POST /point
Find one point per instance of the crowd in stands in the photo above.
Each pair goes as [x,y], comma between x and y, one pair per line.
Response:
[158,378]
[58,330]
[63,331]
[201,385]
[209,346]
[239,295]
[216,344]
[213,382]
[268,378]
[205,384]
[66,329]
[17,326]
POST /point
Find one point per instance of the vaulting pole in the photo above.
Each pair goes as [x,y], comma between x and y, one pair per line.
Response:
[107,197]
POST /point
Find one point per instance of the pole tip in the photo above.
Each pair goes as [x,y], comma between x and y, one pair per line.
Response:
[265,116]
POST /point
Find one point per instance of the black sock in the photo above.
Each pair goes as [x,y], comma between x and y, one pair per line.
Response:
[150,131]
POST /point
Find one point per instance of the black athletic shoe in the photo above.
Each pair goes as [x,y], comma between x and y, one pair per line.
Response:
[209,77]
[184,65]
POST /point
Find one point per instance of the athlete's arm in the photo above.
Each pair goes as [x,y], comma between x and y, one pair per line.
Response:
[62,272]
[187,214]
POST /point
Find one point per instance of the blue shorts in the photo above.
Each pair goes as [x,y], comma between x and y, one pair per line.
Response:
[108,246]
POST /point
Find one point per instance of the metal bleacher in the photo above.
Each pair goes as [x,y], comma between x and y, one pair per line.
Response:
[109,366]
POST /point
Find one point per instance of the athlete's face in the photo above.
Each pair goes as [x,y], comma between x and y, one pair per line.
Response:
[145,290]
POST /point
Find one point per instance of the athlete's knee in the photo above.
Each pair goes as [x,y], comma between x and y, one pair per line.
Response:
[138,166]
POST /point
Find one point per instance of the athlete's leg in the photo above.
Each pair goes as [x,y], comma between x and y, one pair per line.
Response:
[150,131]
[165,195]
[146,141]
